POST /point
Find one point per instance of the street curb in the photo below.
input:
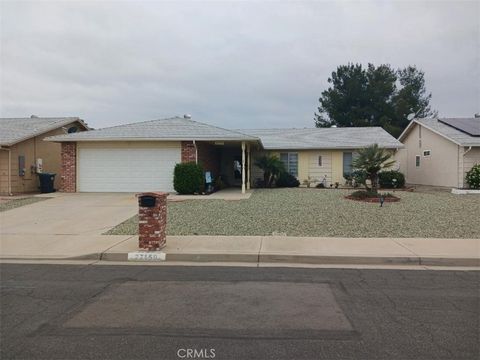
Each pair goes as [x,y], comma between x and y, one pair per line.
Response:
[298,259]
[434,261]
[92,256]
[336,259]
[192,257]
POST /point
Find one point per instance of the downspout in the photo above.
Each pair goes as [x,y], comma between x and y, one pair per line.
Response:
[9,180]
[196,152]
[469,148]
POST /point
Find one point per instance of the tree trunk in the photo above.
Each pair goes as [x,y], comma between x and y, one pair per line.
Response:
[270,180]
[266,178]
[365,183]
[373,179]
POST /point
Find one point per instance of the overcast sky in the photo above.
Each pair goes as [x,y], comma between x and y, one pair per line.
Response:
[232,64]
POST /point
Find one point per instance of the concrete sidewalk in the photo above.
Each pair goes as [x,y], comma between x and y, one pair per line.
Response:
[252,249]
[312,250]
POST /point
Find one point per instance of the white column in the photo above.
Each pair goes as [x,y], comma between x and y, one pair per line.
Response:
[249,167]
[243,167]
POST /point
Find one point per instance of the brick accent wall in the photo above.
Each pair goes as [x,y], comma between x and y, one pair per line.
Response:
[188,151]
[209,157]
[68,182]
[152,222]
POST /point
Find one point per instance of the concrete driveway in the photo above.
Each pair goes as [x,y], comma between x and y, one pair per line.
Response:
[67,225]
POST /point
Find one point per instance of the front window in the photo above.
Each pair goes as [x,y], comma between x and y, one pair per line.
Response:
[290,160]
[347,164]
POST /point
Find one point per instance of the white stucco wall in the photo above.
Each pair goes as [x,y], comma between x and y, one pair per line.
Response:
[441,168]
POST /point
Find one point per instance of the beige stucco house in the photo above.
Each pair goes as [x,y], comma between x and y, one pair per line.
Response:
[141,156]
[439,152]
[23,151]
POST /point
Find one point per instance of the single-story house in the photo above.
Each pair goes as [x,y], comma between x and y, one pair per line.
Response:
[141,156]
[439,151]
[23,152]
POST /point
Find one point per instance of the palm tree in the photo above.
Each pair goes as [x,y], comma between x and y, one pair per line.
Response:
[272,166]
[372,160]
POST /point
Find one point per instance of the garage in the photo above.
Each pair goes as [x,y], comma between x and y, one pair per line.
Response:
[127,166]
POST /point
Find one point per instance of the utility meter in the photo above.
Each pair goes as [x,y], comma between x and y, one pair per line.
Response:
[39,166]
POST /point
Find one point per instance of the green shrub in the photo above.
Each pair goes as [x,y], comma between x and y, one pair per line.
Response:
[272,167]
[359,176]
[287,180]
[473,177]
[386,179]
[188,178]
[362,194]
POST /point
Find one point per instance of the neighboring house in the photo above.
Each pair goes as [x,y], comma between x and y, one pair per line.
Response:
[141,156]
[439,152]
[22,145]
[320,154]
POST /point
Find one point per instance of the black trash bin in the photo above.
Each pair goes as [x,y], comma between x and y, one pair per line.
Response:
[46,182]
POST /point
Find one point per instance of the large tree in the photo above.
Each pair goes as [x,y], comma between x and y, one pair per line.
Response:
[373,96]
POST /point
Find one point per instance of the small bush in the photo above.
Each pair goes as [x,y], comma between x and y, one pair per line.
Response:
[188,178]
[362,194]
[320,186]
[287,180]
[473,177]
[386,179]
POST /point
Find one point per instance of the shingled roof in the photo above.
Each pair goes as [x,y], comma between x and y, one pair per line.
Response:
[324,138]
[14,130]
[449,132]
[176,128]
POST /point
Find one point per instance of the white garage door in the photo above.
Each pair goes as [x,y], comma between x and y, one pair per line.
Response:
[132,167]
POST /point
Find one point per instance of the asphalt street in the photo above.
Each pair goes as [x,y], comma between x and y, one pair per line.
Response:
[166,312]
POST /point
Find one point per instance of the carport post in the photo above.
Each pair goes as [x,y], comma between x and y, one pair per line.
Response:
[152,220]
[243,167]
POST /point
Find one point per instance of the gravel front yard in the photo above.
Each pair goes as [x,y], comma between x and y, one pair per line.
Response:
[14,203]
[314,212]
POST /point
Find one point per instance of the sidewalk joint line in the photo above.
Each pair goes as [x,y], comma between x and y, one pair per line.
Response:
[102,253]
[405,247]
[259,251]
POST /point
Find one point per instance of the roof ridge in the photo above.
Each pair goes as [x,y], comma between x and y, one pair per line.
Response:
[459,118]
[138,122]
[218,127]
[175,118]
[315,128]
[39,118]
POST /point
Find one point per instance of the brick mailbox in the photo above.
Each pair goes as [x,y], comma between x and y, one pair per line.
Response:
[152,220]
